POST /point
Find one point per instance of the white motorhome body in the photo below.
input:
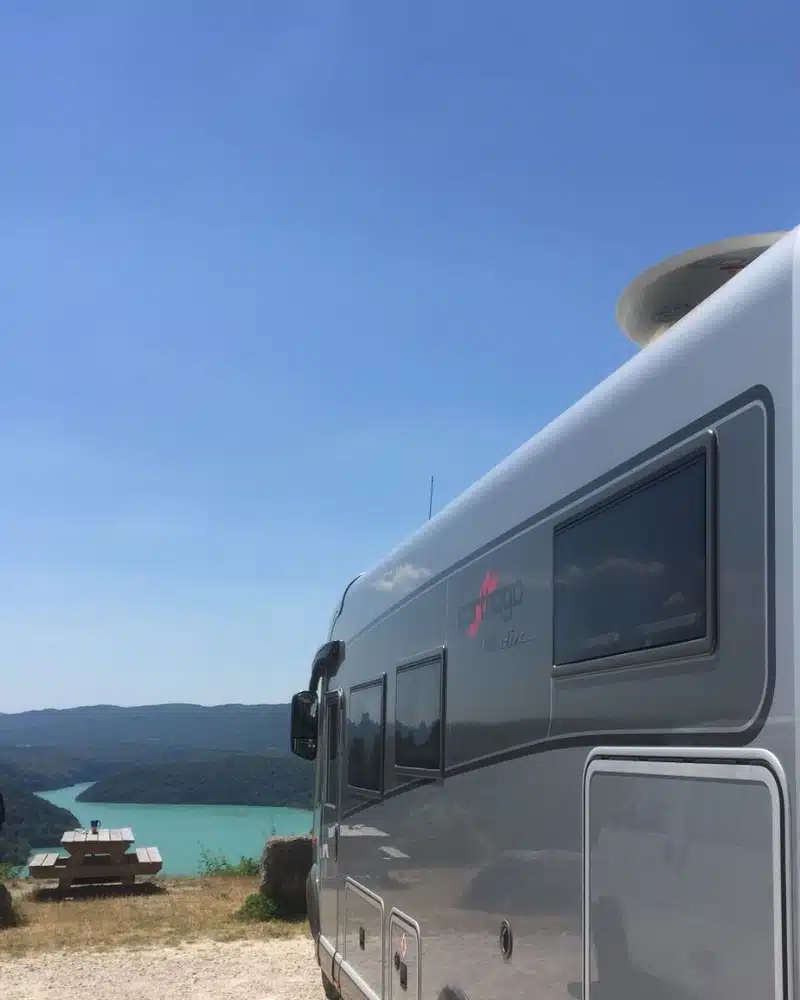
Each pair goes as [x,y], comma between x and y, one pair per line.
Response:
[557,727]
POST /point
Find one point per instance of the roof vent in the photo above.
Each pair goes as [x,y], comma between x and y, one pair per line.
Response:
[666,292]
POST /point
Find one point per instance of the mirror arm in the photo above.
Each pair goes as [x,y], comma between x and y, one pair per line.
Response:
[327,661]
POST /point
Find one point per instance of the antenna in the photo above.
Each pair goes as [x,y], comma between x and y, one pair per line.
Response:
[430,501]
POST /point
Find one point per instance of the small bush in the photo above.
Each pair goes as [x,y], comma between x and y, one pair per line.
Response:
[257,907]
[16,918]
[246,866]
[211,863]
[9,871]
[10,913]
[218,864]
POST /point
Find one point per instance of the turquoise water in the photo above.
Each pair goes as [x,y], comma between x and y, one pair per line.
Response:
[182,832]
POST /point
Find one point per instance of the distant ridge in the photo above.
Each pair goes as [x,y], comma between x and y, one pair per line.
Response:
[167,706]
[232,727]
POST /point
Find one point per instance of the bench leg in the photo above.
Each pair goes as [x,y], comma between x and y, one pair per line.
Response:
[64,883]
[128,880]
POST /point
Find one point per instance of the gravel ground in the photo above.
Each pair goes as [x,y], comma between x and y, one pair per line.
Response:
[283,969]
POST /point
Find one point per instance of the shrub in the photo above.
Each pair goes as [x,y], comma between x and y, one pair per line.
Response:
[9,871]
[10,913]
[217,864]
[17,917]
[246,866]
[258,907]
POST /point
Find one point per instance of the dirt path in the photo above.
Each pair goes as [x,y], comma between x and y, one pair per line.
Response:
[283,969]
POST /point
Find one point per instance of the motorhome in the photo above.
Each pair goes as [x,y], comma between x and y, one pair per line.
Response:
[555,731]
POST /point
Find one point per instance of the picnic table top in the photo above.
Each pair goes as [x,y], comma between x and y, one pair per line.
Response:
[124,835]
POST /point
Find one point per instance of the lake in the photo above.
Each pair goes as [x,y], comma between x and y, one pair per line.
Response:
[182,832]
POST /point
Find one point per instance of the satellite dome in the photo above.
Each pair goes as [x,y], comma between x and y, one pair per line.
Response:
[667,291]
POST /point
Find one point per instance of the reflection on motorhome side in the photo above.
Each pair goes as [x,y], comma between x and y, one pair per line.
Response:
[555,730]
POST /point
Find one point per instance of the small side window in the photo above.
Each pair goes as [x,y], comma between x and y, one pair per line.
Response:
[366,715]
[419,723]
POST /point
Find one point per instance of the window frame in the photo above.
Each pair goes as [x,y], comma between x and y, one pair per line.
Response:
[372,794]
[649,475]
[335,698]
[439,656]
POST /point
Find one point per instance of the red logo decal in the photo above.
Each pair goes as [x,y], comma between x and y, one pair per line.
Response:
[488,585]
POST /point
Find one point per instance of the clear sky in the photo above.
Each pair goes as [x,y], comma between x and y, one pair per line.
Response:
[265,267]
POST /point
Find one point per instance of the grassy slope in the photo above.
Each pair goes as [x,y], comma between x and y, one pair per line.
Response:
[180,910]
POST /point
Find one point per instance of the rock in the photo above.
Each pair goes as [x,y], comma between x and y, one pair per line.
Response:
[285,864]
[8,914]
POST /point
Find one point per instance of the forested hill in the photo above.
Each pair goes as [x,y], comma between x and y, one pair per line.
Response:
[252,729]
[251,780]
[30,822]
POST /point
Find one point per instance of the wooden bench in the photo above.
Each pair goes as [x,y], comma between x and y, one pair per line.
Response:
[148,856]
[43,863]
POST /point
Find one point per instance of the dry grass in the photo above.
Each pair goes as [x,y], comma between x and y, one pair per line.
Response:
[162,912]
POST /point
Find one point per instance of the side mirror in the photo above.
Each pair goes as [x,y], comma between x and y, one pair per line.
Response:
[303,739]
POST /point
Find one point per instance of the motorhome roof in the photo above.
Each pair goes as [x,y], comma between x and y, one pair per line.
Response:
[538,473]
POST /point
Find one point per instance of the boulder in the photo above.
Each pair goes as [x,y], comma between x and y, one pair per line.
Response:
[285,864]
[8,914]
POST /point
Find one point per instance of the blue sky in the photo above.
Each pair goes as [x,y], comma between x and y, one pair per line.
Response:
[265,267]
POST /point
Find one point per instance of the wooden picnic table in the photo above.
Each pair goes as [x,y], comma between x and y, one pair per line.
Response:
[96,856]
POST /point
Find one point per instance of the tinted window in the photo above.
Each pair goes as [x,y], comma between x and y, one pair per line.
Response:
[631,575]
[365,737]
[332,785]
[418,716]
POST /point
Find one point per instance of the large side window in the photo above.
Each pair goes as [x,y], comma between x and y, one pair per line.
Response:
[633,573]
[366,711]
[418,726]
